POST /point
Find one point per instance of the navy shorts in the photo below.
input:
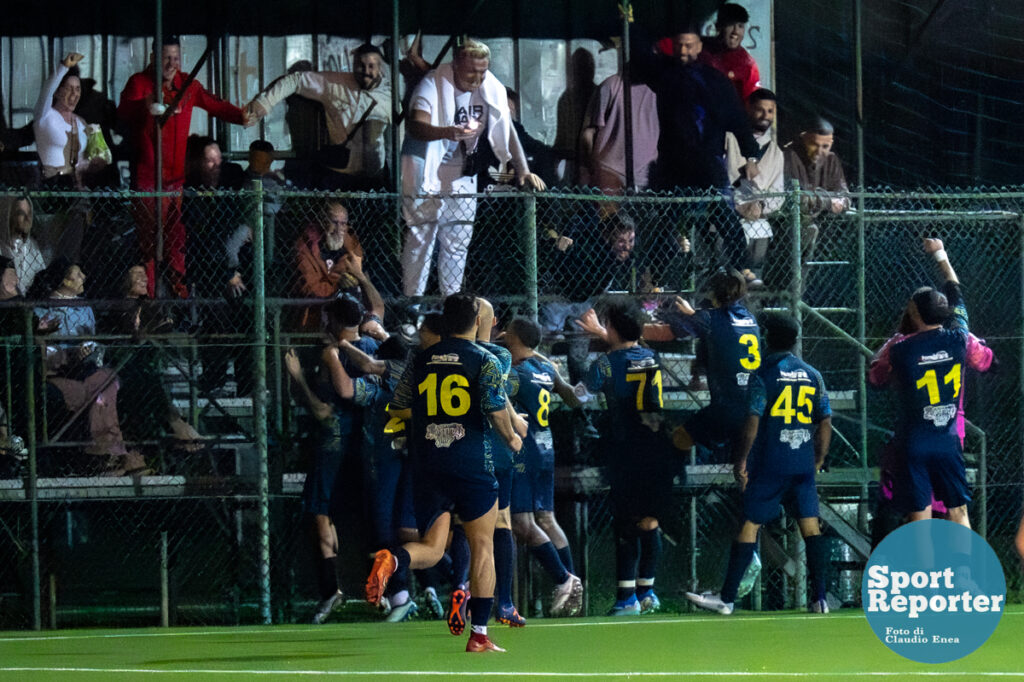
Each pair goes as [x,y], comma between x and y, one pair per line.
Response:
[765,493]
[392,495]
[470,495]
[917,476]
[322,481]
[714,426]
[533,490]
[504,477]
[641,484]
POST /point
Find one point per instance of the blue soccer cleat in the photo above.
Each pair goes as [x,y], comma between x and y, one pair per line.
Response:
[629,607]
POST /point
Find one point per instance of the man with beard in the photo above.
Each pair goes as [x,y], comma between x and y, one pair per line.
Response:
[346,98]
[760,197]
[697,106]
[809,160]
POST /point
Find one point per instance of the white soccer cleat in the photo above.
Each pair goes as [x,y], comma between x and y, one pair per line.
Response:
[325,607]
[819,606]
[711,602]
[568,598]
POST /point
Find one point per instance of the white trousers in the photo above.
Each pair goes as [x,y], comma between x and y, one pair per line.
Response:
[441,219]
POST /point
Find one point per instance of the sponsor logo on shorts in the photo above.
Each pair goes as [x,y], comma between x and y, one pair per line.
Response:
[444,435]
[940,415]
[794,437]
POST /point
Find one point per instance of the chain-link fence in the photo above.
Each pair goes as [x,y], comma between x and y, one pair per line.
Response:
[155,447]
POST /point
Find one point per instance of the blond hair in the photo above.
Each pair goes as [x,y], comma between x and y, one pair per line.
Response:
[474,49]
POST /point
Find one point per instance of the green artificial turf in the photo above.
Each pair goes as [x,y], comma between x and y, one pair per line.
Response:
[776,645]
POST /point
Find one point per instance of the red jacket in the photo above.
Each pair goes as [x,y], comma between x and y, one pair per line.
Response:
[134,109]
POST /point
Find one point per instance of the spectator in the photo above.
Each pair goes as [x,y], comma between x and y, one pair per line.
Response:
[542,158]
[572,110]
[77,381]
[726,53]
[451,108]
[810,161]
[139,108]
[261,157]
[754,196]
[697,105]
[219,240]
[603,138]
[598,261]
[60,133]
[16,242]
[326,255]
[147,406]
[357,153]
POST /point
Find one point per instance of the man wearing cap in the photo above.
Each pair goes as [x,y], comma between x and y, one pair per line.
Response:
[139,109]
[346,97]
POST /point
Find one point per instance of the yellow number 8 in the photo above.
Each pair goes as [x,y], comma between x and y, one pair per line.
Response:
[544,398]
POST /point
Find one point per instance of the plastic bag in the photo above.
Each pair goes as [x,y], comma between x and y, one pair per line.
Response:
[95,146]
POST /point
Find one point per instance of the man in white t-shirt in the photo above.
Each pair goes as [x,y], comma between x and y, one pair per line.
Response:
[450,109]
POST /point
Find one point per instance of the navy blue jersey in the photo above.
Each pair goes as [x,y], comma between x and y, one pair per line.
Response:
[451,387]
[502,454]
[323,388]
[630,379]
[382,432]
[928,372]
[733,345]
[530,385]
[789,396]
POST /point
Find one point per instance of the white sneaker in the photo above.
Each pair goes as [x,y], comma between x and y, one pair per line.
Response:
[325,607]
[568,598]
[400,614]
[819,606]
[711,602]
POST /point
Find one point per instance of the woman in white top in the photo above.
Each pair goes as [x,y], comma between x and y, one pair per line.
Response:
[60,133]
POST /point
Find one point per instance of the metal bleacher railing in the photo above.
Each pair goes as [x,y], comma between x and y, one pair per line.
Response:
[210,530]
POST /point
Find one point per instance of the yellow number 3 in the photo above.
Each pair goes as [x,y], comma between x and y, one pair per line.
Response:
[753,359]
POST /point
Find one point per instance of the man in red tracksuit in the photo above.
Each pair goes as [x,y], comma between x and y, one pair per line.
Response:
[137,109]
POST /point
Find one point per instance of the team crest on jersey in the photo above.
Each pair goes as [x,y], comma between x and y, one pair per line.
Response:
[446,359]
[795,375]
[794,437]
[642,364]
[444,435]
[935,358]
[742,378]
[398,443]
[940,415]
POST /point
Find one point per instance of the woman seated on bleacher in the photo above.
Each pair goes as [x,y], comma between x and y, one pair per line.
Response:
[76,379]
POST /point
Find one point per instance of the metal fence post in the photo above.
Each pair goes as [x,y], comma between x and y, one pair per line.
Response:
[530,253]
[797,285]
[33,471]
[862,367]
[259,399]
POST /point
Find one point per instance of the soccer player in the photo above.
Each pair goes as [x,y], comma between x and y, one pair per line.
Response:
[334,441]
[531,384]
[451,391]
[732,341]
[384,441]
[926,368]
[639,469]
[504,461]
[784,442]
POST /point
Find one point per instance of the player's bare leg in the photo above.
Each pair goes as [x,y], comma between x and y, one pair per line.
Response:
[480,535]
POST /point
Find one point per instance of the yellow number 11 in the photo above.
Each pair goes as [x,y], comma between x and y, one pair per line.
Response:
[930,382]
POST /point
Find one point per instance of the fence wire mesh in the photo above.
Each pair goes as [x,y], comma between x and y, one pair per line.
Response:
[132,391]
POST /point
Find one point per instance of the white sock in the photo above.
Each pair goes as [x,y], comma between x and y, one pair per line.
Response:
[480,630]
[399,598]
